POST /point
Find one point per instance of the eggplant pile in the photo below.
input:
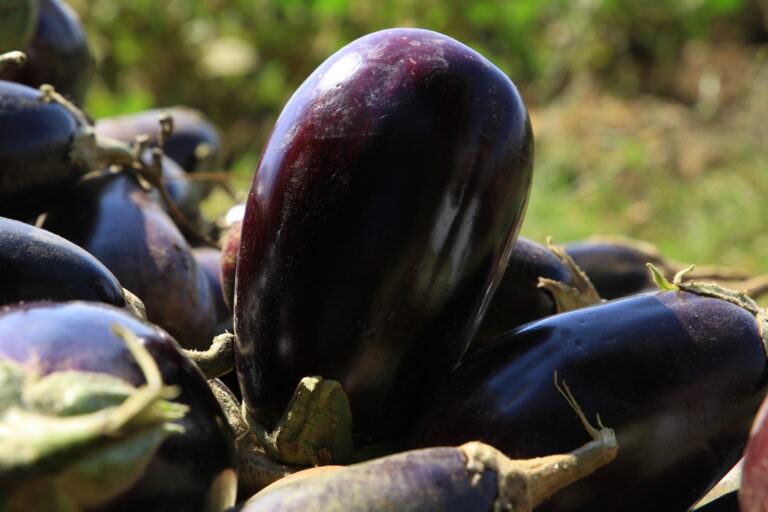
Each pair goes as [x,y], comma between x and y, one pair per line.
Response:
[367,333]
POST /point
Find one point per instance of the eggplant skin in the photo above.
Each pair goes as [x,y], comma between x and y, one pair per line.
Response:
[35,148]
[36,264]
[58,53]
[415,481]
[385,204]
[518,299]
[189,469]
[676,375]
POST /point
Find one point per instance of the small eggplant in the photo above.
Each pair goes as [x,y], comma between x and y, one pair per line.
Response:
[209,259]
[194,142]
[679,374]
[193,471]
[519,299]
[111,217]
[46,145]
[385,205]
[58,53]
[35,264]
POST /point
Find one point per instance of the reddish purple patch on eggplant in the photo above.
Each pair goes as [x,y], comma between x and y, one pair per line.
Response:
[35,264]
[386,201]
[111,217]
[36,165]
[58,53]
[676,375]
[229,251]
[189,469]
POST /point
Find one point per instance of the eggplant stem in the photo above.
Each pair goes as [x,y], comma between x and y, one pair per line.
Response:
[219,359]
[567,298]
[13,58]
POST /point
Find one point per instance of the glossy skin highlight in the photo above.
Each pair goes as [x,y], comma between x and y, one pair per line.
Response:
[385,205]
[189,470]
[676,375]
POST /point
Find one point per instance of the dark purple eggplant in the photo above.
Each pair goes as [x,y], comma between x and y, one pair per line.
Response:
[45,147]
[17,23]
[190,471]
[35,264]
[114,219]
[58,53]
[519,299]
[385,204]
[678,376]
[194,143]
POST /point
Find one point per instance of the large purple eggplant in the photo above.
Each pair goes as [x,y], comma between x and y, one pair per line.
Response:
[35,264]
[111,217]
[193,471]
[385,205]
[58,53]
[677,374]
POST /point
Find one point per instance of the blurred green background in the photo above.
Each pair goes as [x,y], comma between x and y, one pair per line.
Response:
[649,116]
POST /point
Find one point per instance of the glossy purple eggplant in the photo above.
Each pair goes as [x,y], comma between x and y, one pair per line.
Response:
[35,264]
[385,204]
[57,54]
[518,298]
[37,161]
[193,471]
[679,377]
[111,217]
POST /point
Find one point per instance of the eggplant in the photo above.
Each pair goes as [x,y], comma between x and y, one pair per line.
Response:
[194,143]
[58,53]
[384,207]
[113,218]
[45,147]
[190,471]
[519,299]
[209,259]
[753,493]
[229,251]
[678,374]
[472,477]
[17,22]
[36,264]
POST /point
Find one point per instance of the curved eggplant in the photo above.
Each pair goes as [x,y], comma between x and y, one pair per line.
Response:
[518,298]
[386,201]
[35,264]
[58,53]
[111,217]
[678,375]
[193,471]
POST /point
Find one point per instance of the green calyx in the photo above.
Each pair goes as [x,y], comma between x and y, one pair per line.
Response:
[315,429]
[737,297]
[72,440]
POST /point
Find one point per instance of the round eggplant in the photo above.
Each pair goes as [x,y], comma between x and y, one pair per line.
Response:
[519,299]
[190,471]
[111,217]
[58,53]
[35,264]
[678,375]
[385,205]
